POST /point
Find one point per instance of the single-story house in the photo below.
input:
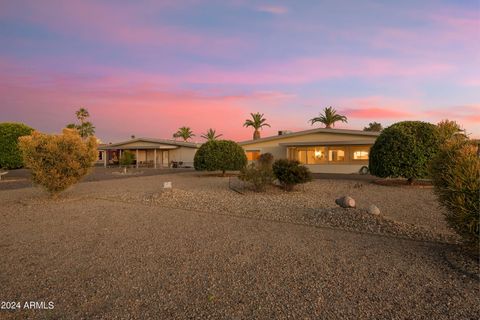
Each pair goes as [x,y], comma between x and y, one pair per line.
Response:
[155,153]
[322,150]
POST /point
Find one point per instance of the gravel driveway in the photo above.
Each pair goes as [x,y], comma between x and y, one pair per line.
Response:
[97,256]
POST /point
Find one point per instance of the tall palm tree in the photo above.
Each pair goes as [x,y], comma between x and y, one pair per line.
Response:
[257,122]
[211,135]
[329,117]
[82,114]
[184,132]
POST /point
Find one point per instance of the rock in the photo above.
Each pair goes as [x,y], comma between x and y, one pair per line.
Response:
[373,209]
[345,202]
[167,185]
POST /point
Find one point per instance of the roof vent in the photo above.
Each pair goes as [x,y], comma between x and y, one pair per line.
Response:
[284,132]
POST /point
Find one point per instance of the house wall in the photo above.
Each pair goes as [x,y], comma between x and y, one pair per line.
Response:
[183,154]
[280,152]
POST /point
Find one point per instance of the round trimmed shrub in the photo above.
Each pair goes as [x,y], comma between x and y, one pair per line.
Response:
[10,155]
[291,173]
[405,150]
[58,161]
[220,155]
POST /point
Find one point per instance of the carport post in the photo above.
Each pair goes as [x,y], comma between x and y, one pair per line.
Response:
[136,157]
[155,158]
[105,155]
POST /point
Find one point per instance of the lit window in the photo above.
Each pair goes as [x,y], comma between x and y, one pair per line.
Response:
[360,152]
[253,155]
[336,154]
[316,155]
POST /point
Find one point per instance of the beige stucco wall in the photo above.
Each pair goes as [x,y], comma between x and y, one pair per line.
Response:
[278,151]
[183,154]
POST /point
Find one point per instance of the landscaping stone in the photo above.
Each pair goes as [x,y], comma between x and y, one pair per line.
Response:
[345,202]
[373,209]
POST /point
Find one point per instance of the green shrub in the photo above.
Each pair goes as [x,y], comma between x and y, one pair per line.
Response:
[58,161]
[127,158]
[10,155]
[220,155]
[291,173]
[404,150]
[259,174]
[456,177]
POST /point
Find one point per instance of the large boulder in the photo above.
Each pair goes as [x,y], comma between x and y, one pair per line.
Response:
[345,202]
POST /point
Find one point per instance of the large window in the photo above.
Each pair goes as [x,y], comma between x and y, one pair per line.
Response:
[316,155]
[359,152]
[336,154]
[252,155]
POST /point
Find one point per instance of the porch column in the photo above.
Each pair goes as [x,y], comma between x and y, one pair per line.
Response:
[155,158]
[119,157]
[136,157]
[105,156]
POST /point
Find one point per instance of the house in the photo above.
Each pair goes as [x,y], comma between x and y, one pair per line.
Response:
[322,150]
[155,153]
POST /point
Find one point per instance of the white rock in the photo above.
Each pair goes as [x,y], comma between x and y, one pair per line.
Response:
[345,202]
[167,185]
[373,209]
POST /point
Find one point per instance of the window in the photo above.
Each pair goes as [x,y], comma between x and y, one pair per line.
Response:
[302,155]
[316,155]
[252,155]
[336,154]
[359,152]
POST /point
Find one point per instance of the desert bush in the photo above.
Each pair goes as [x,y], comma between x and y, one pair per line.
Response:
[404,150]
[291,173]
[456,178]
[58,161]
[10,155]
[265,160]
[259,174]
[220,155]
[127,158]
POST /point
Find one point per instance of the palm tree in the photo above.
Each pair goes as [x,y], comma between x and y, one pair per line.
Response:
[184,132]
[329,117]
[257,122]
[211,135]
[82,114]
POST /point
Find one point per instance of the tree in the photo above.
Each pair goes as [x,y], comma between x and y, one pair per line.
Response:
[10,155]
[404,149]
[58,161]
[257,122]
[85,128]
[211,134]
[220,155]
[328,118]
[456,177]
[447,129]
[374,127]
[184,132]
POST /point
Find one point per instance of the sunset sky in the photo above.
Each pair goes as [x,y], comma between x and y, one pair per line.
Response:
[149,67]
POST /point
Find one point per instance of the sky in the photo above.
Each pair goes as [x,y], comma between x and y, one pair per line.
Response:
[148,67]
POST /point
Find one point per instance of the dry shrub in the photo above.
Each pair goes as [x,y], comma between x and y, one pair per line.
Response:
[456,177]
[58,161]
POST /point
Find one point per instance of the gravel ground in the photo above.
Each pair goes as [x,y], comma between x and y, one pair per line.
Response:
[119,249]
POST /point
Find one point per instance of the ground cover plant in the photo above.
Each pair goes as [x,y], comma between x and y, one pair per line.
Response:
[58,161]
[10,155]
[220,155]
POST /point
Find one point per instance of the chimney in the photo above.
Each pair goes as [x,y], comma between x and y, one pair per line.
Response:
[284,132]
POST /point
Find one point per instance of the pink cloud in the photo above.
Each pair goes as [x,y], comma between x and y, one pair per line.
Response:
[272,9]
